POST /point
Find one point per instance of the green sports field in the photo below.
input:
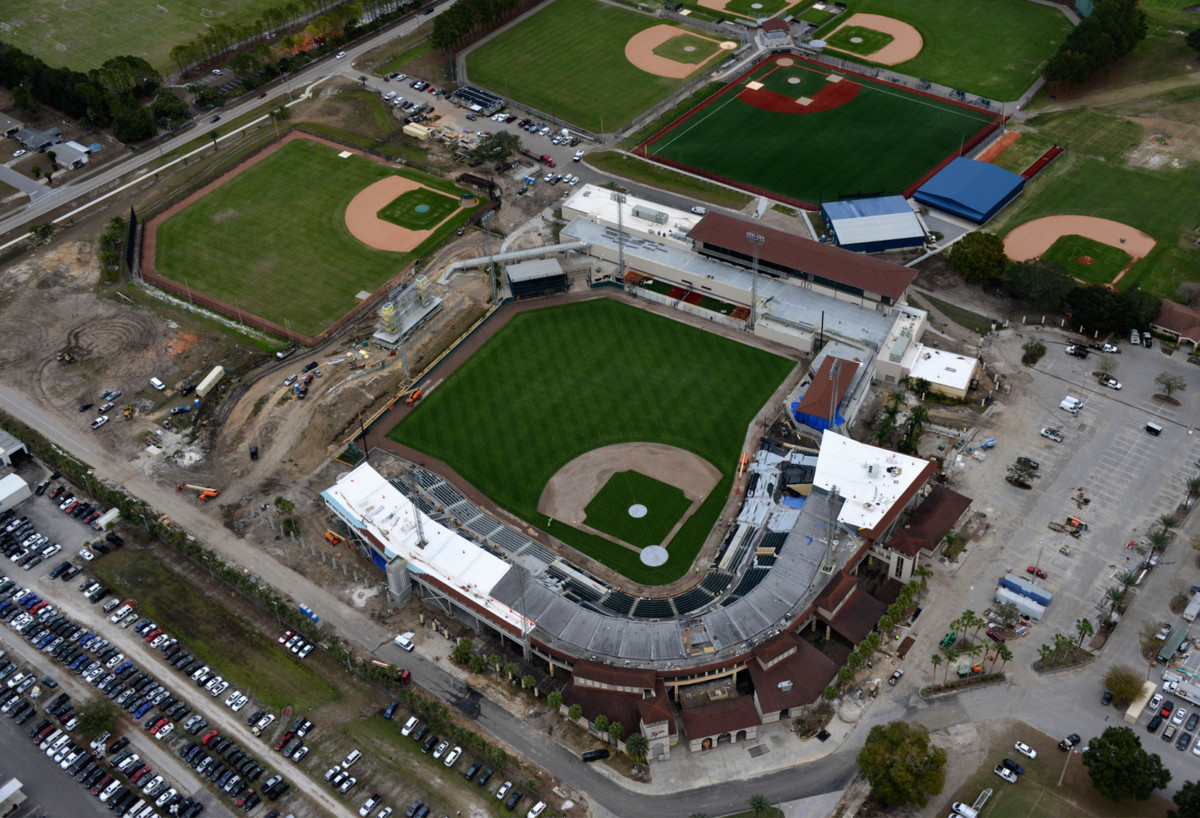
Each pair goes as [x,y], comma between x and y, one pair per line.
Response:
[869,40]
[991,48]
[555,383]
[881,141]
[273,240]
[419,209]
[568,60]
[92,31]
[1106,261]
[662,506]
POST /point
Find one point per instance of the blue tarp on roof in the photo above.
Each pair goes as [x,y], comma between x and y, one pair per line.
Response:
[971,189]
[813,422]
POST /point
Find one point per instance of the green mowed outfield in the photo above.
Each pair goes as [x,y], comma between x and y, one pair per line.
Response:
[869,40]
[273,239]
[1106,261]
[677,48]
[419,209]
[568,60]
[995,49]
[746,7]
[555,383]
[661,504]
[92,31]
[881,141]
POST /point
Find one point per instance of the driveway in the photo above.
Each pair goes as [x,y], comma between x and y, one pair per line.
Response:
[23,183]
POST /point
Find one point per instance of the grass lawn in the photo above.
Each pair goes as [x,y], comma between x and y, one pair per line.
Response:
[818,17]
[1024,152]
[964,318]
[558,382]
[639,170]
[1107,261]
[746,7]
[568,60]
[1037,792]
[814,157]
[871,40]
[281,221]
[996,49]
[677,47]
[95,30]
[419,209]
[609,510]
[249,659]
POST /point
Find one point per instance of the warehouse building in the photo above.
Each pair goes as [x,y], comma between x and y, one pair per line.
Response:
[874,225]
[974,190]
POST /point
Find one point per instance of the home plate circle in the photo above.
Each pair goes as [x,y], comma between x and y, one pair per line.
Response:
[637,511]
[654,555]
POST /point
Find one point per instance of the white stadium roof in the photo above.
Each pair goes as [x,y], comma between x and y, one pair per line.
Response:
[870,479]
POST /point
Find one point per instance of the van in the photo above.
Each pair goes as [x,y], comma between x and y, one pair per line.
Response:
[1154,429]
[112,603]
[963,810]
[350,760]
[1135,337]
[594,755]
[1072,405]
[157,384]
[404,641]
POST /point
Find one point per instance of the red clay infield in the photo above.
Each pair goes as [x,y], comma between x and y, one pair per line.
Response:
[833,95]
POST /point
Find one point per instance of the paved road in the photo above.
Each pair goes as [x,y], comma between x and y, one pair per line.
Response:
[45,785]
[23,183]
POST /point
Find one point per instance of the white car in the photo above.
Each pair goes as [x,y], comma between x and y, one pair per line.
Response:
[199,672]
[307,649]
[1025,750]
[1005,773]
[1110,348]
[217,72]
[152,783]
[1110,382]
[19,152]
[164,731]
[453,756]
[503,791]
[86,555]
[340,54]
[578,155]
[409,726]
[1180,715]
[100,421]
[240,703]
[1155,701]
[219,689]
[165,797]
[232,698]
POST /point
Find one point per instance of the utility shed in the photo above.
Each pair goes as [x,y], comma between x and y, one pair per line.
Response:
[13,490]
[210,380]
[11,796]
[874,225]
[9,448]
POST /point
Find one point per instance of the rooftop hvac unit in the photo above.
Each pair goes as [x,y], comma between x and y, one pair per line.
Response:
[785,686]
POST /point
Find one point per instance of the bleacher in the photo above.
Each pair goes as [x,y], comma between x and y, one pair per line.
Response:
[692,600]
[716,581]
[618,602]
[749,580]
[653,609]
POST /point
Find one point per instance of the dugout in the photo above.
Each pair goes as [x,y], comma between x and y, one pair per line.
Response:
[873,225]
[971,189]
[542,276]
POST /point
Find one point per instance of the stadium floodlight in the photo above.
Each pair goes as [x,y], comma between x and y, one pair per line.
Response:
[619,198]
[756,240]
[486,221]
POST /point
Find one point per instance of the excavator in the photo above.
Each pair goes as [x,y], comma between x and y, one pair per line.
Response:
[206,493]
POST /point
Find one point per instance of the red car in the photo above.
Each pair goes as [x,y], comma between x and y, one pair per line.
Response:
[1037,572]
[282,740]
[995,635]
[157,725]
[154,634]
[209,736]
[286,636]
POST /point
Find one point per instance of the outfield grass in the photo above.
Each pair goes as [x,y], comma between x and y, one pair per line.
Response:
[677,47]
[639,170]
[872,40]
[273,240]
[814,157]
[558,382]
[95,30]
[250,660]
[817,16]
[1107,260]
[568,60]
[996,49]
[609,509]
[1159,202]
[746,7]
[405,209]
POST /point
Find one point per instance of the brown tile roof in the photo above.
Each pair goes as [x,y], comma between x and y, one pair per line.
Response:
[769,651]
[774,24]
[836,590]
[1180,319]
[793,252]
[901,503]
[726,716]
[622,707]
[820,392]
[809,671]
[614,676]
[931,521]
[857,617]
[657,709]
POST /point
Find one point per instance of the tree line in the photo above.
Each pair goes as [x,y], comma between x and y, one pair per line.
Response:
[1113,30]
[470,17]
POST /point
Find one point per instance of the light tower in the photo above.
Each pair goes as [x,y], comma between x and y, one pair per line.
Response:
[486,221]
[619,198]
[756,241]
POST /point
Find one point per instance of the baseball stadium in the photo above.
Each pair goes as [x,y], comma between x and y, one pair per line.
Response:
[802,132]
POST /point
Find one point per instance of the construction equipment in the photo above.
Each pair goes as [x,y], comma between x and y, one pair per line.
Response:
[205,493]
[333,538]
[413,398]
[990,443]
[127,412]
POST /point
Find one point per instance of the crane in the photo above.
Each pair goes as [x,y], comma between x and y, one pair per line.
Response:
[206,493]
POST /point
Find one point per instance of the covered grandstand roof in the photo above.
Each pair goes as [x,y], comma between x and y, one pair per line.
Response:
[804,255]
[716,718]
[369,502]
[969,188]
[823,392]
[808,670]
[533,269]
[869,225]
[876,483]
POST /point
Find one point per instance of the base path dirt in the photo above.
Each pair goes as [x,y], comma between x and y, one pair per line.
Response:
[640,51]
[1033,238]
[572,487]
[906,41]
[363,222]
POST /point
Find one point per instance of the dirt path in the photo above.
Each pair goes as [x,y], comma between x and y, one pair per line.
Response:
[1104,97]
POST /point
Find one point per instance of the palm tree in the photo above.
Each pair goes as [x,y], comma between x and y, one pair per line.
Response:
[951,658]
[1044,653]
[1158,539]
[897,399]
[1115,596]
[554,700]
[922,573]
[1193,485]
[637,746]
[937,660]
[1167,521]
[616,731]
[759,804]
[1126,579]
[1084,628]
[1005,654]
